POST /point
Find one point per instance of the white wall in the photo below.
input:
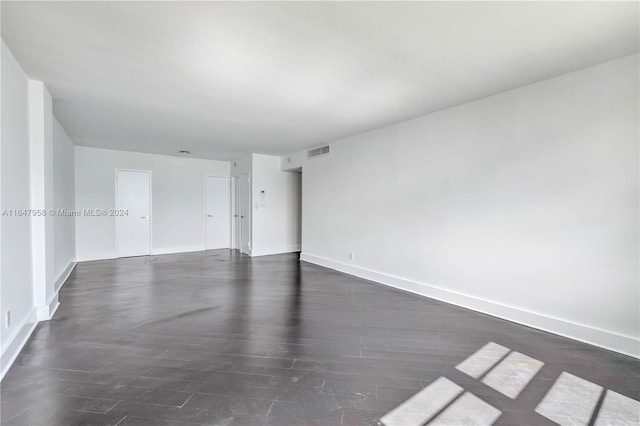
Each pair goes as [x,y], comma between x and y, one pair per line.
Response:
[523,205]
[242,165]
[64,198]
[293,161]
[276,215]
[178,218]
[15,234]
[37,173]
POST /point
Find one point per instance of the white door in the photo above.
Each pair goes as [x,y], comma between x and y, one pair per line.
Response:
[133,229]
[245,208]
[218,212]
[237,212]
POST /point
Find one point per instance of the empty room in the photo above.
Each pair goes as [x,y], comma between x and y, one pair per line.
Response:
[320,213]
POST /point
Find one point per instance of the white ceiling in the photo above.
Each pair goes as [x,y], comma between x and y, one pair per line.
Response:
[221,78]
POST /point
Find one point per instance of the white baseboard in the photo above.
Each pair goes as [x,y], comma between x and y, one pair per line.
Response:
[62,276]
[107,255]
[12,346]
[46,312]
[97,256]
[627,345]
[175,250]
[274,250]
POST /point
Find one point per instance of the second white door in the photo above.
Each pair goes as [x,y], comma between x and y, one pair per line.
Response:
[133,229]
[218,212]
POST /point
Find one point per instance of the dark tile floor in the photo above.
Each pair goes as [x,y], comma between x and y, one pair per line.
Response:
[221,338]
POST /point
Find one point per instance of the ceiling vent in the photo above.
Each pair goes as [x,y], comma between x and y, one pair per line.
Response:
[318,151]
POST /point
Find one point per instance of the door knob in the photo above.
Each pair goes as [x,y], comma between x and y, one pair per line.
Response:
[144,217]
[209,215]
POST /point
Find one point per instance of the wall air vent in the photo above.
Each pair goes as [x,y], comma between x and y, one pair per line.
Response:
[318,151]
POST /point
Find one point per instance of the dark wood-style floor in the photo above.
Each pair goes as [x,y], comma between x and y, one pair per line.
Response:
[220,338]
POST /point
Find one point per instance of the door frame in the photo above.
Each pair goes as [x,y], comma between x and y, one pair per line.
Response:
[249,213]
[233,213]
[115,202]
[204,208]
[237,198]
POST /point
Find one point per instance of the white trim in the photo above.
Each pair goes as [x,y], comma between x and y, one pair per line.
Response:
[274,250]
[62,277]
[11,347]
[175,250]
[150,208]
[54,309]
[232,194]
[237,223]
[249,214]
[104,255]
[154,252]
[45,312]
[627,345]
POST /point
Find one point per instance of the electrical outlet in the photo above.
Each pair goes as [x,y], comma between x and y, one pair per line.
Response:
[350,256]
[8,319]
